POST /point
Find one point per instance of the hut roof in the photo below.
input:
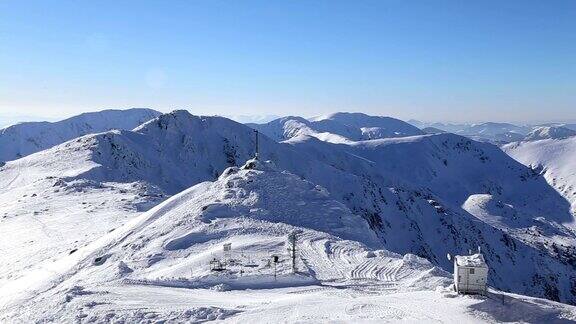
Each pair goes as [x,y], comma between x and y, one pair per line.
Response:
[474,260]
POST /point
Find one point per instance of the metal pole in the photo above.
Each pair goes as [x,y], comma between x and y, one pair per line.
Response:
[294,256]
[292,238]
[257,148]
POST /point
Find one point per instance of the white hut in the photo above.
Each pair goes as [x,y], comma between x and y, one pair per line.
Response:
[470,274]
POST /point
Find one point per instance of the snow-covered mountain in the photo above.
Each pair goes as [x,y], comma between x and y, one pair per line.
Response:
[447,127]
[426,195]
[501,133]
[133,273]
[497,133]
[569,125]
[337,128]
[7,119]
[554,159]
[372,127]
[493,129]
[483,199]
[549,132]
[73,193]
[256,119]
[22,139]
[433,130]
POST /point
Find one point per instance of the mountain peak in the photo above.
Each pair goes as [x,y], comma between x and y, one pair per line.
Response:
[340,127]
[549,132]
[26,138]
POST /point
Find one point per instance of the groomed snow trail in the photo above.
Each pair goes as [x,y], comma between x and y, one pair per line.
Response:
[339,261]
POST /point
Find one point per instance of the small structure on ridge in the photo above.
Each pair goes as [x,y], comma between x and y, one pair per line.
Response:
[470,274]
[217,265]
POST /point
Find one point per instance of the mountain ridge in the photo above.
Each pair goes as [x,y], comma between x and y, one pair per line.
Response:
[337,127]
[25,138]
[398,185]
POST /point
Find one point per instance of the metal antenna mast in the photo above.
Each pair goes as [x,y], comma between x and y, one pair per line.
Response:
[257,148]
[292,238]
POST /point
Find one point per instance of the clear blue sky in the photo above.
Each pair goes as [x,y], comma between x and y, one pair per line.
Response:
[430,60]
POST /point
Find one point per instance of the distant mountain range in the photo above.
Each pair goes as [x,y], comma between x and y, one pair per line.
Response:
[24,138]
[503,133]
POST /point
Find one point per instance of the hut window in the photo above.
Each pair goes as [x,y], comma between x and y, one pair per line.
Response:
[472,271]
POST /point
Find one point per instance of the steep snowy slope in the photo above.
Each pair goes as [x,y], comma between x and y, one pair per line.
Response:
[136,272]
[337,128]
[425,195]
[555,159]
[432,195]
[451,166]
[26,138]
[549,132]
